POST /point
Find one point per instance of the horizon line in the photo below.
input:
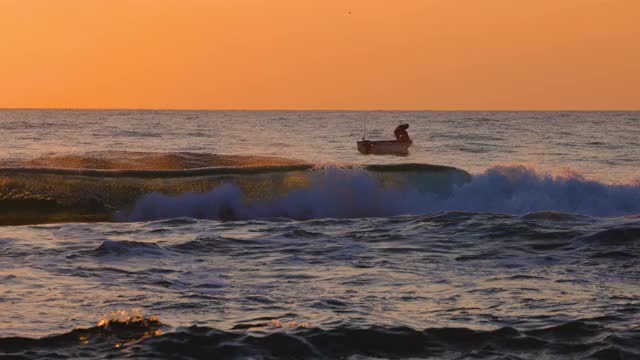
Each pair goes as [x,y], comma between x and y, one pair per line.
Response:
[293,109]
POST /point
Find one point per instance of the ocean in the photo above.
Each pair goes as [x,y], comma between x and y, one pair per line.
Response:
[266,235]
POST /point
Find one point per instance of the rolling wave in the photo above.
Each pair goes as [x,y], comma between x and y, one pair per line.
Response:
[142,338]
[340,193]
[37,195]
[220,170]
[139,162]
[143,173]
[299,191]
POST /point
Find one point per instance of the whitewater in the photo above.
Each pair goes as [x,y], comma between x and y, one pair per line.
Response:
[265,234]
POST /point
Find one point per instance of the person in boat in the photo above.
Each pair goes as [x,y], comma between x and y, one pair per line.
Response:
[401,133]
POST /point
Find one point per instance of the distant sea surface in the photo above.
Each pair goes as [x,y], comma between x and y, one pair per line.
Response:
[265,234]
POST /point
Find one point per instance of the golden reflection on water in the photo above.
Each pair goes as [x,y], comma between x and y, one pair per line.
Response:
[62,198]
[275,323]
[125,326]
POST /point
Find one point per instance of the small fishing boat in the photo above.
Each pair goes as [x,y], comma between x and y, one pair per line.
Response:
[385,147]
[400,146]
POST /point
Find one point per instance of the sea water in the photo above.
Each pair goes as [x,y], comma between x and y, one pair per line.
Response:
[523,244]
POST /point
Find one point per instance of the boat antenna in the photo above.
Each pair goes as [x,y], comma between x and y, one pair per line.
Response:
[364,128]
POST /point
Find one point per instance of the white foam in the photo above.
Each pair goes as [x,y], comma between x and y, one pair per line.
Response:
[352,193]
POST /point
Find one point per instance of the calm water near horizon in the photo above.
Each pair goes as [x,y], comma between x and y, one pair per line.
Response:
[525,246]
[602,146]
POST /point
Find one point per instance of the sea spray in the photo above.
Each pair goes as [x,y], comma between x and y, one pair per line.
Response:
[352,193]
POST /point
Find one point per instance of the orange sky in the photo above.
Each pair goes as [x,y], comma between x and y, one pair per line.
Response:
[313,54]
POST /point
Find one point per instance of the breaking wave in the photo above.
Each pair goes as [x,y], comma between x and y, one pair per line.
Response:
[42,195]
[141,338]
[352,193]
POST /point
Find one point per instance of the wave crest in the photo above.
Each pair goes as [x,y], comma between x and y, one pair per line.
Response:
[580,338]
[351,193]
[128,247]
[116,329]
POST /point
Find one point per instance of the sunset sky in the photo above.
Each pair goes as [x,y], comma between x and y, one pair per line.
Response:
[329,54]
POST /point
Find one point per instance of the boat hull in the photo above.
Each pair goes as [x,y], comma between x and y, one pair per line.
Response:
[389,147]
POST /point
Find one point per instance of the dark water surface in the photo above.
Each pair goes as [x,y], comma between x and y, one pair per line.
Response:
[518,258]
[449,284]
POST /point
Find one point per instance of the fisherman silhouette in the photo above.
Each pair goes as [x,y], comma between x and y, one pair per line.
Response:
[401,133]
